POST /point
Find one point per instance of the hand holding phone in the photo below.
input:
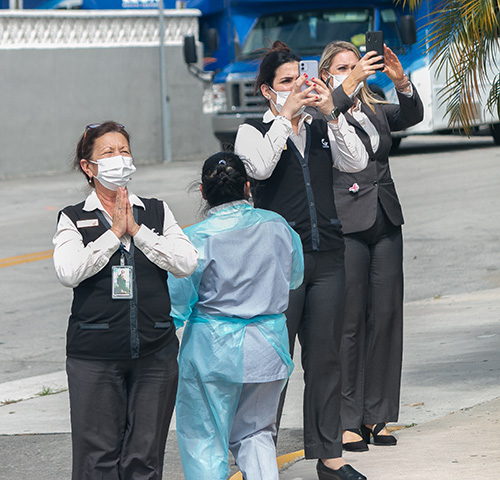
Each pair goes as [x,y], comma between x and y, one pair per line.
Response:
[311,68]
[375,41]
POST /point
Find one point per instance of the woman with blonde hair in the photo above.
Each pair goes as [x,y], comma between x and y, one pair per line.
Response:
[371,216]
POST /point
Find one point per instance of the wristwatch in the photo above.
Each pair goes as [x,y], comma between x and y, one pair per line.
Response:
[333,115]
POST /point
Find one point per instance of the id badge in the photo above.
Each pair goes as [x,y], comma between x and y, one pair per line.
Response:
[122,276]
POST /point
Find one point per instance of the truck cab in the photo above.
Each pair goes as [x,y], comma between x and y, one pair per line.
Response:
[306,28]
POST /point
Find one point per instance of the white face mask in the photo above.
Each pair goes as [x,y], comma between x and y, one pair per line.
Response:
[114,172]
[281,98]
[337,80]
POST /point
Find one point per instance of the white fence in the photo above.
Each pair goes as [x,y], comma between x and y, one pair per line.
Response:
[88,28]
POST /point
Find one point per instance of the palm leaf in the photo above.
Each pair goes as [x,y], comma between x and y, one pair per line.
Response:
[463,41]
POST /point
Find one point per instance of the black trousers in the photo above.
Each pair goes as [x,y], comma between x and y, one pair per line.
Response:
[120,415]
[371,351]
[315,314]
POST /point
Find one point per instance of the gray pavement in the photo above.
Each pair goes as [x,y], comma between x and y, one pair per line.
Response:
[458,334]
[450,404]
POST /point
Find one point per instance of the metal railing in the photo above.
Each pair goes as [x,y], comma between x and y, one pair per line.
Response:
[90,28]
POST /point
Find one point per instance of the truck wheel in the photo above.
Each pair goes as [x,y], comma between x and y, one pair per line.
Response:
[495,132]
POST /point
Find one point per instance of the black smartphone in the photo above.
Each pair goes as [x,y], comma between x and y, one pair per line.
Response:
[375,41]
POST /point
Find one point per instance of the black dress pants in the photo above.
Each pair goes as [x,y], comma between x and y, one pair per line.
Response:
[371,350]
[120,415]
[315,313]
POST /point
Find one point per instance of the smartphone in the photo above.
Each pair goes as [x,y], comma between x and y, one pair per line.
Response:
[311,68]
[375,41]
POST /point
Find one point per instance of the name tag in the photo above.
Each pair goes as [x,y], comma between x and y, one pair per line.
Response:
[93,222]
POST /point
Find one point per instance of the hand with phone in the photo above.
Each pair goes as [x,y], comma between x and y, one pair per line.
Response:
[309,68]
[301,95]
[368,65]
[374,42]
[320,94]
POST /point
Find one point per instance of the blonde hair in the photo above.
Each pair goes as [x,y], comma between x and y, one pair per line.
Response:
[330,52]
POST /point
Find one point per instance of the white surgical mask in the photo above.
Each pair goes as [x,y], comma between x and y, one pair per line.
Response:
[114,172]
[281,98]
[337,80]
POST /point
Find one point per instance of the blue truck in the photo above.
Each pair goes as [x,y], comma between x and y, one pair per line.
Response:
[244,27]
[234,32]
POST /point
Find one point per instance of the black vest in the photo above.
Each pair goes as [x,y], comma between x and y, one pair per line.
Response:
[301,189]
[109,329]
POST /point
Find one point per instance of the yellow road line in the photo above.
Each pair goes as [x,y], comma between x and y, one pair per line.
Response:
[282,461]
[32,257]
[29,257]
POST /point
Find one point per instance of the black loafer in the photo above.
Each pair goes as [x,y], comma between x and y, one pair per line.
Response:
[343,473]
[358,446]
[381,440]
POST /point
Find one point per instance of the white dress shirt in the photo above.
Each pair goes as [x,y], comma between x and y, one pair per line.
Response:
[74,262]
[263,152]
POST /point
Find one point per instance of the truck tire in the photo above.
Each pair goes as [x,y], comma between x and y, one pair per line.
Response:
[495,132]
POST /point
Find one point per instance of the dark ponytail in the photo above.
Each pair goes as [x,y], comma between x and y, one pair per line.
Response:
[224,179]
[277,55]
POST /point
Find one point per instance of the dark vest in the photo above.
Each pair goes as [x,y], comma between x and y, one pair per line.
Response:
[358,211]
[300,189]
[116,329]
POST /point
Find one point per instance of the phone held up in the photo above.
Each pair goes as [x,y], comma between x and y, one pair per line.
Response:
[311,68]
[375,41]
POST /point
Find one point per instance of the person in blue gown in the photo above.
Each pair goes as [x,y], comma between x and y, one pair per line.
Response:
[234,358]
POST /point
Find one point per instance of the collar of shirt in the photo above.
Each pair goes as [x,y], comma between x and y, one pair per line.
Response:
[236,203]
[305,117]
[92,202]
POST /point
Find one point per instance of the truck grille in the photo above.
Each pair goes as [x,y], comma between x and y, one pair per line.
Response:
[241,97]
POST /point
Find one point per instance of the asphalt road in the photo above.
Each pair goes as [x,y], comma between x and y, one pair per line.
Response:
[449,188]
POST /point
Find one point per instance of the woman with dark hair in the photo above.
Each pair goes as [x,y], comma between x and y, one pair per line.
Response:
[116,250]
[369,208]
[234,357]
[292,157]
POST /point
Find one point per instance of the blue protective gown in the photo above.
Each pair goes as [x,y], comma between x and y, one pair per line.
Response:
[249,259]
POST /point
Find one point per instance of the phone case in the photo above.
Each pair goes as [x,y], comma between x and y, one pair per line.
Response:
[310,67]
[375,41]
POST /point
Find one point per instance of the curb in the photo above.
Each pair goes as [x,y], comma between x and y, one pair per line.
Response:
[284,461]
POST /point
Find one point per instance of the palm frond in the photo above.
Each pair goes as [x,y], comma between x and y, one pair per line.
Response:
[462,37]
[493,103]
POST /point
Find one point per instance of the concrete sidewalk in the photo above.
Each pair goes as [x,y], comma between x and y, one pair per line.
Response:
[450,416]
[450,405]
[461,445]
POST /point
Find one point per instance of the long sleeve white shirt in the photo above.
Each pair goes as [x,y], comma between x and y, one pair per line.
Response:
[262,152]
[74,262]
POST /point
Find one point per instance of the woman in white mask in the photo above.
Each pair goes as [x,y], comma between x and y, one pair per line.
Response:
[291,157]
[115,250]
[371,216]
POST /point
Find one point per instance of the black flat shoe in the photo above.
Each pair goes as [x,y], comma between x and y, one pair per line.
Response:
[381,440]
[358,446]
[343,473]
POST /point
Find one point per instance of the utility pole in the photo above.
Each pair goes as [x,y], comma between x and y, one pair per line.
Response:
[165,103]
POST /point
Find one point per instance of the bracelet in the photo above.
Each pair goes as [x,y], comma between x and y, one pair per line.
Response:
[405,83]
